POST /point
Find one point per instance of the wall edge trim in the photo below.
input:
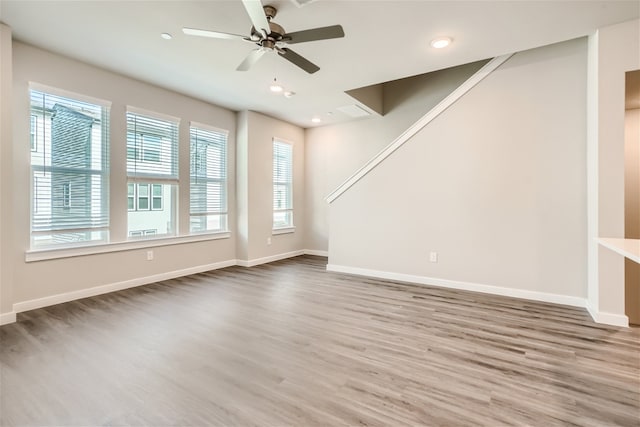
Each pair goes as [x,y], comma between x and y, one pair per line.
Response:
[605,318]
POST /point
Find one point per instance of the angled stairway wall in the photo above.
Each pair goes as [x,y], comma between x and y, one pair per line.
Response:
[333,153]
[496,185]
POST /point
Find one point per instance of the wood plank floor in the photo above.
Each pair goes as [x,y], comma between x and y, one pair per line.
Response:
[289,344]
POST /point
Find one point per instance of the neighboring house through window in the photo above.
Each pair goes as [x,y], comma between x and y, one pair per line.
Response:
[69,168]
[69,156]
[208,179]
[152,174]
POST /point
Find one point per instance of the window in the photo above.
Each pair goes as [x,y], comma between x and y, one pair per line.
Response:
[282,185]
[144,197]
[69,169]
[152,174]
[208,180]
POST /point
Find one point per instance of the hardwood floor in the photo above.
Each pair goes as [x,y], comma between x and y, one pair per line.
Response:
[289,344]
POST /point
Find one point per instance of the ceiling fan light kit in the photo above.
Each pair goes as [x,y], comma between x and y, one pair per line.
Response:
[271,37]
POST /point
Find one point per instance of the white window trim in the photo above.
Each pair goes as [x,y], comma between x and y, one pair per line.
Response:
[289,228]
[104,105]
[283,230]
[69,94]
[94,249]
[153,114]
[204,126]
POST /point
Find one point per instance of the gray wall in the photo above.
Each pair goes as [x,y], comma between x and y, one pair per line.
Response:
[496,185]
[6,179]
[50,280]
[333,153]
[255,198]
[40,279]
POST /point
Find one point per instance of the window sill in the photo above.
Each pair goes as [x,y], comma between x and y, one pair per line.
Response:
[48,254]
[283,230]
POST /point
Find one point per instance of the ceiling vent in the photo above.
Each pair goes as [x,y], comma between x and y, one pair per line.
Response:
[301,3]
[354,111]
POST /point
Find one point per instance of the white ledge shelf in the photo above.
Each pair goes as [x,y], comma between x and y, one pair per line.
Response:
[629,248]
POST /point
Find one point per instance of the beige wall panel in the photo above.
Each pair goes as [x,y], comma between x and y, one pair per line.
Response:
[496,185]
[46,278]
[333,153]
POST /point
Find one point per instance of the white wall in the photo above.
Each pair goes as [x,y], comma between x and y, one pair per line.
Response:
[333,153]
[43,279]
[255,198]
[496,185]
[6,217]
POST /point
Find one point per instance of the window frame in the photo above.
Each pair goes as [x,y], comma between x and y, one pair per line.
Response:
[289,226]
[212,136]
[39,252]
[167,130]
[95,226]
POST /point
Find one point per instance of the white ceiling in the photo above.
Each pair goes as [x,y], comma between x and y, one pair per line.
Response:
[385,40]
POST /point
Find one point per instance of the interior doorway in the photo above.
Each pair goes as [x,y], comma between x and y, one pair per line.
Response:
[632,191]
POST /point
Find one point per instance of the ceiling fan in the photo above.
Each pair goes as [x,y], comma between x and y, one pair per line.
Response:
[270,36]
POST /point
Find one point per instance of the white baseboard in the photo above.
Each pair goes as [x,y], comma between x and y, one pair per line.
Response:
[6,318]
[466,286]
[608,318]
[316,252]
[267,259]
[112,287]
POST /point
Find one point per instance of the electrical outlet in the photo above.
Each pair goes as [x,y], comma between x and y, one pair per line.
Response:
[149,255]
[433,256]
[268,240]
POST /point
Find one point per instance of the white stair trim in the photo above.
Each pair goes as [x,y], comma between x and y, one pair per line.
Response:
[476,78]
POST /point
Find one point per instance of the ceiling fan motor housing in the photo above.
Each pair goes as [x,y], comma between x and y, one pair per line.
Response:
[276,32]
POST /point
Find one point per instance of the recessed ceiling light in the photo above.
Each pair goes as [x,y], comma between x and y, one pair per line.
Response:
[288,94]
[166,36]
[275,87]
[316,120]
[440,42]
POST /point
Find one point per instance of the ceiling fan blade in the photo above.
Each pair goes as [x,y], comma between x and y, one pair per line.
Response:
[212,34]
[298,60]
[251,59]
[257,15]
[322,33]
